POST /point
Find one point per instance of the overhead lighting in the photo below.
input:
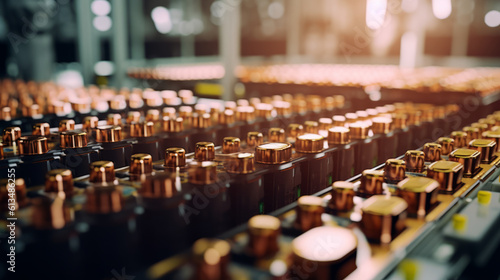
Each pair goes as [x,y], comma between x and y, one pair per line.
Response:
[161,19]
[102,23]
[492,18]
[375,13]
[100,7]
[441,8]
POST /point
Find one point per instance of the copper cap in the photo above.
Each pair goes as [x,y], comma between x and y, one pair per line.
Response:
[351,118]
[153,115]
[311,127]
[66,125]
[338,135]
[338,120]
[495,136]
[202,121]
[420,193]
[211,258]
[414,161]
[108,133]
[241,164]
[400,121]
[447,173]
[294,130]
[90,122]
[273,153]
[383,217]
[41,129]
[394,170]
[342,196]
[161,185]
[59,180]
[460,139]
[175,157]
[469,158]
[309,210]
[432,152]
[204,151]
[103,200]
[276,134]
[173,124]
[11,134]
[371,182]
[486,147]
[141,164]
[309,143]
[141,129]
[114,119]
[133,116]
[263,231]
[50,213]
[102,172]
[254,139]
[32,145]
[169,112]
[231,145]
[447,145]
[325,123]
[481,126]
[381,125]
[472,133]
[202,172]
[227,117]
[73,139]
[359,130]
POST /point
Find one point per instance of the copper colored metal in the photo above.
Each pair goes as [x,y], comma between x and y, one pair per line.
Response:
[447,145]
[204,151]
[162,185]
[394,170]
[73,139]
[108,133]
[383,218]
[338,135]
[276,134]
[263,231]
[342,196]
[141,164]
[19,191]
[103,200]
[400,121]
[486,147]
[273,153]
[254,139]
[32,145]
[432,152]
[65,125]
[469,158]
[420,193]
[11,134]
[227,117]
[175,157]
[472,133]
[231,145]
[114,119]
[447,173]
[102,172]
[133,117]
[495,136]
[211,259]
[309,210]
[50,213]
[339,120]
[173,124]
[415,161]
[311,127]
[460,139]
[381,125]
[202,172]
[359,130]
[90,122]
[309,143]
[294,130]
[371,182]
[41,129]
[142,129]
[59,180]
[242,163]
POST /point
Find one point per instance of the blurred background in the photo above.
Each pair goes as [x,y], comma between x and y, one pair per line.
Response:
[81,42]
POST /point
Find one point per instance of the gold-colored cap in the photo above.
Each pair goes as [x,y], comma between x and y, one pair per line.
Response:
[201,108]
[294,130]
[161,185]
[339,120]
[447,145]
[103,200]
[133,116]
[204,151]
[32,145]
[400,121]
[432,152]
[394,170]
[142,129]
[245,113]
[66,125]
[169,112]
[263,231]
[59,180]
[153,115]
[359,130]
[325,124]
[175,157]
[211,258]
[202,172]
[309,143]
[447,173]
[202,121]
[50,212]
[118,103]
[90,122]
[351,118]
[486,147]
[381,205]
[381,125]
[11,134]
[114,119]
[41,129]
[242,163]
[73,139]
[173,124]
[273,153]
[489,122]
[276,134]
[469,158]
[481,126]
[472,133]
[108,133]
[414,117]
[420,193]
[102,172]
[227,117]
[254,139]
[338,135]
[372,182]
[141,164]
[264,110]
[342,196]
[311,127]
[231,145]
[493,135]
[415,161]
[309,210]
[460,139]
